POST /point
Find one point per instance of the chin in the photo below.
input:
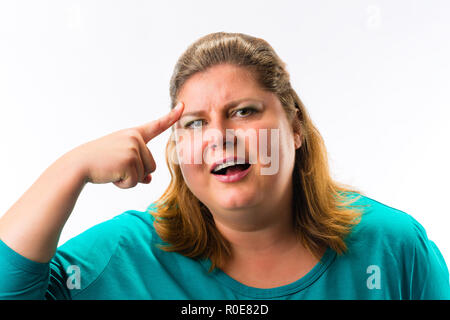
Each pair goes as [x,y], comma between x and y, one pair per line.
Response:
[235,199]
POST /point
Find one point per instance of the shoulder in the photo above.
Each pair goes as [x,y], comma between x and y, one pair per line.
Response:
[381,222]
[398,245]
[403,242]
[93,250]
[136,227]
[110,233]
[390,232]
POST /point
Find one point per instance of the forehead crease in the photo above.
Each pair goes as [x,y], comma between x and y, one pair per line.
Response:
[214,89]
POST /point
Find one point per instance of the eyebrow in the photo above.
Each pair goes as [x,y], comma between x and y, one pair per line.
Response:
[226,106]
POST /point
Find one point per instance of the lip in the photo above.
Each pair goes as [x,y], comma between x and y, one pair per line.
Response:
[233,177]
[236,159]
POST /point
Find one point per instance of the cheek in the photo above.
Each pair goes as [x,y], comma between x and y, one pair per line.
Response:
[188,170]
[276,151]
[189,150]
[287,151]
[188,157]
[193,177]
[270,150]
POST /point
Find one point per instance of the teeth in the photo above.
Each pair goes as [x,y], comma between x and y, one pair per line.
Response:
[225,165]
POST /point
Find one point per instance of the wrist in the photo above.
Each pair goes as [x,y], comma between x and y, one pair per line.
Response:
[73,165]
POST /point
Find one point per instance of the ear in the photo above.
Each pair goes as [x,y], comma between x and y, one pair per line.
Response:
[297,130]
[297,140]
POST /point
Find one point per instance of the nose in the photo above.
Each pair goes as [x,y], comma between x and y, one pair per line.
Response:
[215,138]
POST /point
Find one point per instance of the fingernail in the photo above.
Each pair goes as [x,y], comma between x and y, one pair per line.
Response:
[147,179]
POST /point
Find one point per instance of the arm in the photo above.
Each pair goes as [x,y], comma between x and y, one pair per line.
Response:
[30,229]
[32,226]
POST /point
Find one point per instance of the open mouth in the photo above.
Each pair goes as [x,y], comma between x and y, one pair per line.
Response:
[231,170]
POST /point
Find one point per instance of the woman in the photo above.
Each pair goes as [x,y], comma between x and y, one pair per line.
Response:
[251,210]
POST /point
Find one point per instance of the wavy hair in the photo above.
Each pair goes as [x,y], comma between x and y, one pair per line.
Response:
[324,212]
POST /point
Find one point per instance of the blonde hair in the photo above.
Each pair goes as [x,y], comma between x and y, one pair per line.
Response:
[324,213]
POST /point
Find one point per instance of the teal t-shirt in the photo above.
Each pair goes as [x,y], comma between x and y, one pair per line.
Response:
[389,257]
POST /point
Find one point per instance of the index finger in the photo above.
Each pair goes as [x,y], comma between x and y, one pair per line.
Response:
[158,126]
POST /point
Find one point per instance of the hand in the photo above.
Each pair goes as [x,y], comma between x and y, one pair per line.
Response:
[122,157]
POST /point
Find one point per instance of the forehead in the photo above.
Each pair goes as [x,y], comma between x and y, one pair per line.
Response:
[217,85]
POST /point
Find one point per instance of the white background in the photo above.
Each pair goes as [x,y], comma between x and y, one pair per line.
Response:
[374,76]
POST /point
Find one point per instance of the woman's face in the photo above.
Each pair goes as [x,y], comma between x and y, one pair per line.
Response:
[227,114]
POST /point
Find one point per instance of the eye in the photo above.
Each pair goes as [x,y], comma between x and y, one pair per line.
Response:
[245,111]
[192,124]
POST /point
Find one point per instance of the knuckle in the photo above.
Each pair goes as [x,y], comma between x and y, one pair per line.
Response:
[133,183]
[129,183]
[133,135]
[133,151]
[128,132]
[135,139]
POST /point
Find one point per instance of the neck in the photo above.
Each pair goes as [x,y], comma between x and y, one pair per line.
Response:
[270,236]
[261,237]
[263,228]
[267,257]
[265,249]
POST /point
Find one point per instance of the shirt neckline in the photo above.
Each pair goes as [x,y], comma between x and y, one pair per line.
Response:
[296,286]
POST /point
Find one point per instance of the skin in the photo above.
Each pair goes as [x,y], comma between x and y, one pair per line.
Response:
[255,213]
[32,226]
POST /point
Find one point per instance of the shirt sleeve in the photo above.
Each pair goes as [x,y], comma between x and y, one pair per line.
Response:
[430,275]
[75,265]
[21,278]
